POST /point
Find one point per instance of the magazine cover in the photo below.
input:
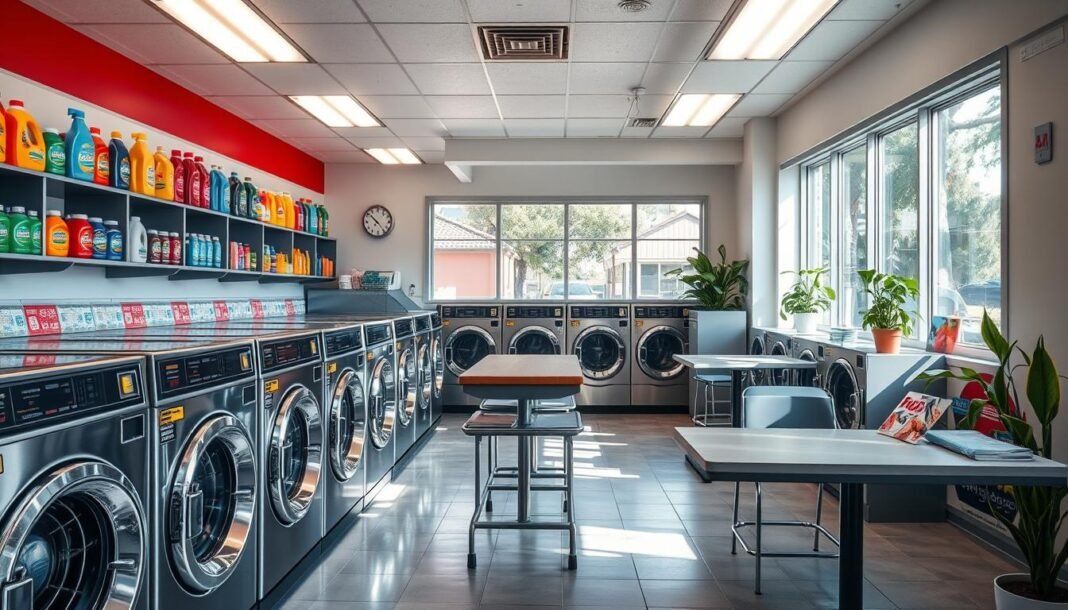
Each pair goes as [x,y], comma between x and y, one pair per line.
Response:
[945,330]
[914,416]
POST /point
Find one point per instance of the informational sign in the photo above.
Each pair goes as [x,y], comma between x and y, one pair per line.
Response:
[1044,143]
[42,319]
[180,311]
[133,315]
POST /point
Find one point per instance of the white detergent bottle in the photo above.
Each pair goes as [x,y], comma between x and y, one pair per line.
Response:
[138,244]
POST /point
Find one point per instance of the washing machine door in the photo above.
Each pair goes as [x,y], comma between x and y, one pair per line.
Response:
[407,382]
[382,402]
[779,376]
[294,455]
[808,377]
[210,505]
[842,385]
[601,352]
[534,340]
[426,376]
[657,348]
[348,425]
[756,348]
[75,539]
[439,365]
[466,346]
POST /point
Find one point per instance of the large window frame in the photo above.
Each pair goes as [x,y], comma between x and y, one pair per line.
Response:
[632,265]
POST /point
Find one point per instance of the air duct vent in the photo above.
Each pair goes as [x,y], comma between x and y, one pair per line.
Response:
[519,43]
[642,122]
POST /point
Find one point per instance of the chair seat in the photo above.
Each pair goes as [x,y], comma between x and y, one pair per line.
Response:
[713,378]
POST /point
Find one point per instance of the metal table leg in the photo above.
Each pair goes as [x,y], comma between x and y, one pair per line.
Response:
[569,457]
[736,398]
[471,559]
[851,552]
[523,413]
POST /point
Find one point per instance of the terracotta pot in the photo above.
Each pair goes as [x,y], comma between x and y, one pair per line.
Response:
[1005,600]
[887,340]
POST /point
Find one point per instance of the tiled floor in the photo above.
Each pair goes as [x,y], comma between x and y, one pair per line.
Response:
[651,535]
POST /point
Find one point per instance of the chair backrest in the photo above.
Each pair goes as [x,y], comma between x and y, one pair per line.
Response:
[787,407]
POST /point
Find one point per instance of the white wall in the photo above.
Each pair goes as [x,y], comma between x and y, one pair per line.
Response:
[350,189]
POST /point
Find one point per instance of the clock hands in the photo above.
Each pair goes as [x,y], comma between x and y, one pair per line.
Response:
[377,223]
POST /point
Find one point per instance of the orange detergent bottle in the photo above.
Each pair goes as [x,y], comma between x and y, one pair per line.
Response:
[142,167]
[279,215]
[3,136]
[24,143]
[164,175]
[287,205]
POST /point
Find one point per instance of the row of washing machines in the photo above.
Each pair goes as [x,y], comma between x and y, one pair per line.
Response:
[626,351]
[170,467]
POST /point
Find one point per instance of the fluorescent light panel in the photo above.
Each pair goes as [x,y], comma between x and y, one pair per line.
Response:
[233,28]
[336,110]
[393,156]
[767,29]
[699,109]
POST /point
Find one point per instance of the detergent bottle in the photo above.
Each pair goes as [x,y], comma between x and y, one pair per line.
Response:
[21,234]
[138,242]
[164,175]
[25,141]
[3,136]
[119,161]
[35,232]
[179,176]
[298,216]
[114,241]
[238,196]
[325,220]
[223,189]
[100,237]
[57,237]
[81,236]
[314,223]
[267,206]
[253,197]
[5,232]
[192,180]
[80,149]
[55,152]
[142,167]
[101,168]
[205,184]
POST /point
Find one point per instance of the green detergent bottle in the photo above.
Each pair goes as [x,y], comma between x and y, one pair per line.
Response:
[35,233]
[21,231]
[5,232]
[55,152]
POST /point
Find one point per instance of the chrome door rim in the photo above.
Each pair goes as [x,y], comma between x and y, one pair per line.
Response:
[114,494]
[439,365]
[345,461]
[406,371]
[841,364]
[779,377]
[612,370]
[205,576]
[671,373]
[809,355]
[481,332]
[384,407]
[291,509]
[426,383]
[757,348]
[533,330]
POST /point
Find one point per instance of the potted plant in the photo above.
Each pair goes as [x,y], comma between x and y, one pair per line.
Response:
[1039,516]
[886,315]
[806,299]
[718,325]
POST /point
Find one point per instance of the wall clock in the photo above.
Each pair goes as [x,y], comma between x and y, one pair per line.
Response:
[378,221]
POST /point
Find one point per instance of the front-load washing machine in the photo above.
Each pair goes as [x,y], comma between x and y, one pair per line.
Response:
[757,347]
[811,349]
[533,329]
[470,333]
[381,406]
[599,335]
[660,332]
[74,526]
[424,359]
[345,418]
[777,343]
[407,386]
[437,358]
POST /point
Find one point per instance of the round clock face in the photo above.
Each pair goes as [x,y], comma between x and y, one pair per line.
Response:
[377,221]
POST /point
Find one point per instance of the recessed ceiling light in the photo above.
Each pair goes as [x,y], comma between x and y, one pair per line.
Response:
[699,109]
[393,156]
[767,29]
[336,110]
[233,28]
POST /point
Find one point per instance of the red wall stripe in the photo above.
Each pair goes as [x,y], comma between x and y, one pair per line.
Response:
[45,50]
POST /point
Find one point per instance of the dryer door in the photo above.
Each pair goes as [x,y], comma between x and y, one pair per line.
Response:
[534,340]
[426,376]
[294,455]
[382,401]
[438,354]
[466,346]
[657,348]
[210,503]
[407,382]
[348,425]
[756,348]
[842,385]
[808,377]
[75,539]
[780,376]
[601,352]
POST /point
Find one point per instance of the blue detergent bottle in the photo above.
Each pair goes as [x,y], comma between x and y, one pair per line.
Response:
[80,148]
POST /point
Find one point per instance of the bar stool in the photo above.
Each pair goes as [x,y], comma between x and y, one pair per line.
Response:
[716,418]
[784,407]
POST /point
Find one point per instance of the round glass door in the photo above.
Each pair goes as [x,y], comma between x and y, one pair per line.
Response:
[348,424]
[656,352]
[295,455]
[756,348]
[845,391]
[407,386]
[439,365]
[382,401]
[779,376]
[808,377]
[426,381]
[466,346]
[536,340]
[600,352]
[212,500]
[75,540]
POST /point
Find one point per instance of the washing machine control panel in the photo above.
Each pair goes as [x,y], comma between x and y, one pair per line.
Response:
[284,353]
[435,320]
[45,401]
[378,333]
[599,311]
[342,341]
[659,311]
[534,311]
[470,311]
[402,327]
[184,374]
[422,323]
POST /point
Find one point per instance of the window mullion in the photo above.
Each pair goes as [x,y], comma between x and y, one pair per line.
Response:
[926,279]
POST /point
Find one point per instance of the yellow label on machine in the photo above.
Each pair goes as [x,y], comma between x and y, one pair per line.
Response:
[332,368]
[126,385]
[246,363]
[271,385]
[509,323]
[314,346]
[574,323]
[171,415]
[639,323]
[1,464]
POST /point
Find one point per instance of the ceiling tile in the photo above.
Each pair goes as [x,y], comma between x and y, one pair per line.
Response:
[636,132]
[449,79]
[414,11]
[700,10]
[260,106]
[593,106]
[613,41]
[373,79]
[499,11]
[295,128]
[535,128]
[867,9]
[792,76]
[339,42]
[430,156]
[463,106]
[684,41]
[151,43]
[605,78]
[319,11]
[516,77]
[831,40]
[354,156]
[679,132]
[376,142]
[593,128]
[335,143]
[424,144]
[532,106]
[296,79]
[665,78]
[430,43]
[727,76]
[729,127]
[475,128]
[398,106]
[223,79]
[757,105]
[363,132]
[608,10]
[100,11]
[416,127]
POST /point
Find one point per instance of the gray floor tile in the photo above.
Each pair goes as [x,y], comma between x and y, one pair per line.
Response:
[594,592]
[444,589]
[684,594]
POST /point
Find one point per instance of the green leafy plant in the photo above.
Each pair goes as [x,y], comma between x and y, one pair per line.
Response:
[718,286]
[808,294]
[1039,515]
[887,296]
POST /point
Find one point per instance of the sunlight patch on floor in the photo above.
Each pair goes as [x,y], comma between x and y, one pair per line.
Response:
[671,545]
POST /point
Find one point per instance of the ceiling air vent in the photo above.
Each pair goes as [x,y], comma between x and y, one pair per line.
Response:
[642,123]
[534,42]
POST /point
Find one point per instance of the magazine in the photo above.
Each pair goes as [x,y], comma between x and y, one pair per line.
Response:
[945,330]
[914,416]
[979,446]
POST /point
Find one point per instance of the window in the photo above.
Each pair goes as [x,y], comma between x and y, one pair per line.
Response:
[899,184]
[853,223]
[819,194]
[560,250]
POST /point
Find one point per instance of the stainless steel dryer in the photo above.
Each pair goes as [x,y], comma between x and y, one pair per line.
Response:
[660,333]
[345,417]
[424,359]
[533,329]
[381,406]
[811,349]
[74,524]
[599,335]
[404,433]
[777,343]
[470,333]
[437,355]
[757,347]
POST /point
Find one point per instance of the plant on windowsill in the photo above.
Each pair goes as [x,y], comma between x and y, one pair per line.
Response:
[720,286]
[1039,515]
[886,315]
[806,299]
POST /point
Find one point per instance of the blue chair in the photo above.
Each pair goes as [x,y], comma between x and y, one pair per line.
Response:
[784,407]
[713,382]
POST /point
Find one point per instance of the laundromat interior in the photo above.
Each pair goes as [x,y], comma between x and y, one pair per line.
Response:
[487,304]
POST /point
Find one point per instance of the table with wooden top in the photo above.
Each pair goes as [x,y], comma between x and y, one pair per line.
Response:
[739,365]
[851,458]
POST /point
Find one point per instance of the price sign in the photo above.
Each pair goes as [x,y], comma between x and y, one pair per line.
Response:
[13,322]
[291,309]
[257,309]
[42,319]
[107,317]
[222,312]
[180,311]
[133,315]
[76,318]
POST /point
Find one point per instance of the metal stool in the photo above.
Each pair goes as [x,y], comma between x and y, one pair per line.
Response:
[716,418]
[784,407]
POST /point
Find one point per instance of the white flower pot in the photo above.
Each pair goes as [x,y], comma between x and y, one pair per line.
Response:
[1004,600]
[806,323]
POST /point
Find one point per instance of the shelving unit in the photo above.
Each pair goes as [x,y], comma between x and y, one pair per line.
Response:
[41,192]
